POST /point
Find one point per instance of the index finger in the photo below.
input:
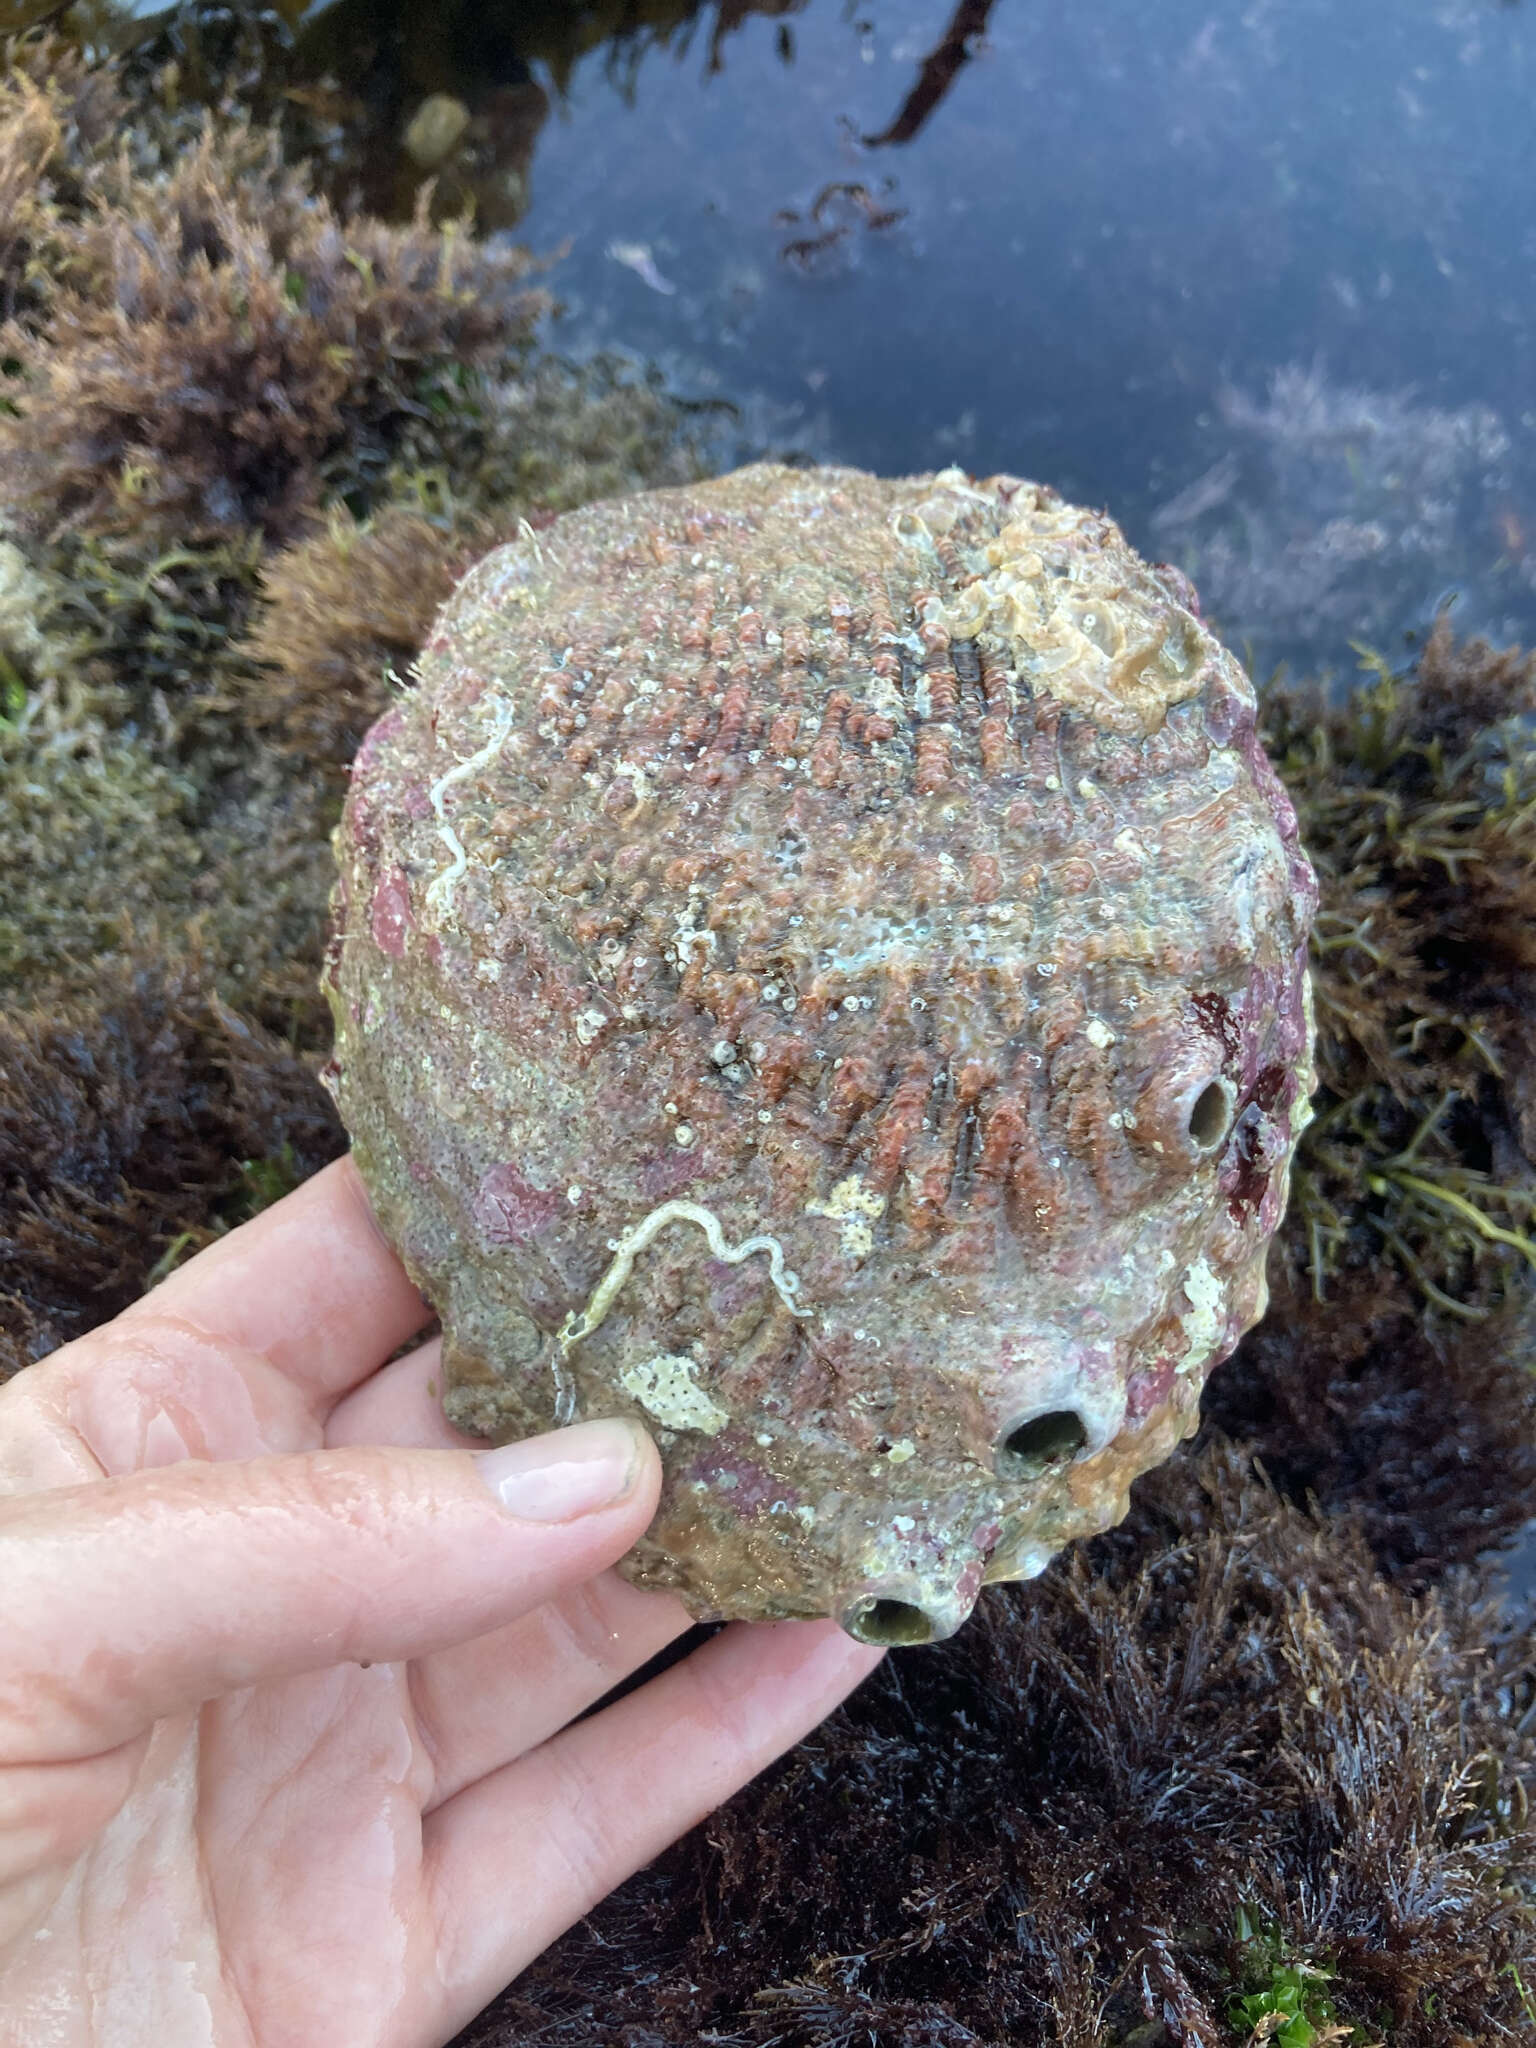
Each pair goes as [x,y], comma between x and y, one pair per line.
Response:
[310,1283]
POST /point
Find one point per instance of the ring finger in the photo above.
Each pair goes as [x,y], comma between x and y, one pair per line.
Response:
[484,1703]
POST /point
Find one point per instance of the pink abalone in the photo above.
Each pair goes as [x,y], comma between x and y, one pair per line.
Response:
[820,964]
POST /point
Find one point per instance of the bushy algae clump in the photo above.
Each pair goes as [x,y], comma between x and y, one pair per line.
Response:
[134,1122]
[1418,795]
[1207,1749]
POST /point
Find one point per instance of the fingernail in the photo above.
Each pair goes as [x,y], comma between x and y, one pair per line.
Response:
[568,1473]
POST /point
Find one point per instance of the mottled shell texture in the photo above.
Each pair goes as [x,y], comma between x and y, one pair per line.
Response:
[820,967]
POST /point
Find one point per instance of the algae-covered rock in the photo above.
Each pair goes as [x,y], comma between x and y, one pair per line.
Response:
[81,811]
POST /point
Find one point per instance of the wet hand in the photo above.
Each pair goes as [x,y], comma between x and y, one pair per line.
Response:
[289,1672]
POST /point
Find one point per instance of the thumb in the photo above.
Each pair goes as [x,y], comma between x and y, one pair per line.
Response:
[127,1599]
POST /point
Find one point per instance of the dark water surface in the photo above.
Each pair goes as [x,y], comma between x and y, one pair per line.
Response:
[1262,278]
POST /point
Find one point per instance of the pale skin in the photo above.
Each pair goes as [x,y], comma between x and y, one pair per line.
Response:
[289,1679]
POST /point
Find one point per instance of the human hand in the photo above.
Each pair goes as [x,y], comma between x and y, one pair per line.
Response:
[285,1742]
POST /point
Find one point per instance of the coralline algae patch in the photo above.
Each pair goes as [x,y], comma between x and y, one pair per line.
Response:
[819,964]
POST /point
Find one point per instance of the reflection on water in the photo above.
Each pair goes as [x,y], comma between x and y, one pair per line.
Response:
[1260,280]
[959,43]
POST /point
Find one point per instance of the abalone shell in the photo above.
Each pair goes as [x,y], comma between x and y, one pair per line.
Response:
[820,965]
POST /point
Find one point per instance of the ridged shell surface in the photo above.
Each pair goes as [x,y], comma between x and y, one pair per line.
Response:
[820,965]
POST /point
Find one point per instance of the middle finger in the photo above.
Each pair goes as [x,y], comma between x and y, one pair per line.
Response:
[400,1404]
[484,1703]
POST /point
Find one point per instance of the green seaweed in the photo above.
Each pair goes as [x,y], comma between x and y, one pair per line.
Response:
[1292,2010]
[80,809]
[265,1181]
[148,628]
[1280,2000]
[1417,801]
[553,434]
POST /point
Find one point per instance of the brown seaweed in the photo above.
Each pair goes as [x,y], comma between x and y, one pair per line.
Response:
[1208,1740]
[1422,1433]
[134,1125]
[343,616]
[276,350]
